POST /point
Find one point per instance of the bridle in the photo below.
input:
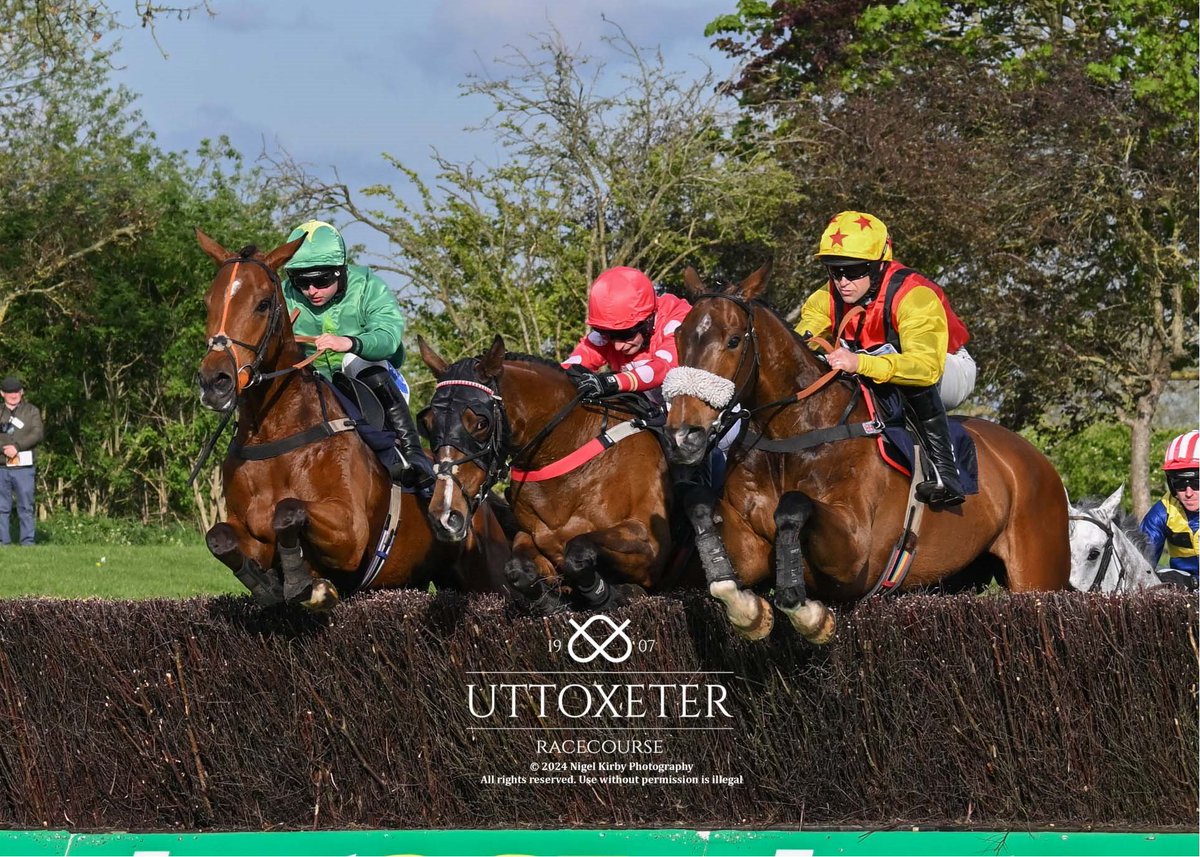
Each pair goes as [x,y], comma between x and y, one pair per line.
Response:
[248,374]
[466,444]
[1106,554]
[731,412]
[496,450]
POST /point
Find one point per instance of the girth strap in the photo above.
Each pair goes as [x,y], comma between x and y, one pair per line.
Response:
[818,437]
[261,451]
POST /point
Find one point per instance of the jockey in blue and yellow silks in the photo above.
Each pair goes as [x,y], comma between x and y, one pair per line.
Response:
[1172,521]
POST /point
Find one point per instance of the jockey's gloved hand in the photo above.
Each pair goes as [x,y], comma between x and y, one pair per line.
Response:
[591,384]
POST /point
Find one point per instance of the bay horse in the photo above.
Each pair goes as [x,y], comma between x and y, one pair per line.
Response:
[590,492]
[831,514]
[306,498]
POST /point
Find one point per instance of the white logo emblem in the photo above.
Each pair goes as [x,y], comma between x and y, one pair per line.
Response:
[600,649]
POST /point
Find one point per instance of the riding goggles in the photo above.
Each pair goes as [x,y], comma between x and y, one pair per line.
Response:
[848,272]
[313,278]
[1181,481]
[624,335]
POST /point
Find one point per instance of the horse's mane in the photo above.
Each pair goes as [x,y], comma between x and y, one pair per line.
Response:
[248,251]
[533,358]
[1126,522]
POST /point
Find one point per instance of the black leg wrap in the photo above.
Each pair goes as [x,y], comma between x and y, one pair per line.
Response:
[530,585]
[791,515]
[264,587]
[296,580]
[714,558]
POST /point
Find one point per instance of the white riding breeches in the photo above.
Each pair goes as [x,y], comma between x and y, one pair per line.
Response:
[353,365]
[958,379]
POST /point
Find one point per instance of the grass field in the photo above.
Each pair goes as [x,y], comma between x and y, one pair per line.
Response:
[113,571]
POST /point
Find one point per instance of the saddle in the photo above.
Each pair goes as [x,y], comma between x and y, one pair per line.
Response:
[363,407]
[895,442]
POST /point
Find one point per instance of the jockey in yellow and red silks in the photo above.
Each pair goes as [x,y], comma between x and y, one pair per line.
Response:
[908,336]
[632,333]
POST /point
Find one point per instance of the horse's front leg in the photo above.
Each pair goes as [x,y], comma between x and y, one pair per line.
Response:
[531,575]
[749,614]
[248,559]
[301,583]
[807,615]
[627,549]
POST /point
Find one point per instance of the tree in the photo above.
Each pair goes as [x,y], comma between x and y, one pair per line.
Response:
[597,172]
[1039,162]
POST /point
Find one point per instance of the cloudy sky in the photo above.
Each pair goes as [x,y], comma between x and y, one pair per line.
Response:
[336,84]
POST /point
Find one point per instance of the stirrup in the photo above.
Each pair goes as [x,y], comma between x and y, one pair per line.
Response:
[933,493]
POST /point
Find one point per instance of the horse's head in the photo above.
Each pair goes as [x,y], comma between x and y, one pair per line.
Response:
[246,316]
[718,362]
[1107,548]
[468,431]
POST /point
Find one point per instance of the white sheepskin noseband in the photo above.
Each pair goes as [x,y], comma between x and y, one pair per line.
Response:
[715,391]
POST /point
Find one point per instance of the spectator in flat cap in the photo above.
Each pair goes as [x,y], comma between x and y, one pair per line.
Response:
[20,432]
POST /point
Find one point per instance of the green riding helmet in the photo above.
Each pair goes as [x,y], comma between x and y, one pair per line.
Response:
[324,246]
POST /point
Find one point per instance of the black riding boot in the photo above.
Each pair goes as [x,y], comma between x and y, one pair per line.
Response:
[941,486]
[408,442]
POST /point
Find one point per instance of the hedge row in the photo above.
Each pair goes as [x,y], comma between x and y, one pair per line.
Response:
[997,711]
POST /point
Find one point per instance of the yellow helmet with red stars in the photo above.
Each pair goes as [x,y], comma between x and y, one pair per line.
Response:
[855,235]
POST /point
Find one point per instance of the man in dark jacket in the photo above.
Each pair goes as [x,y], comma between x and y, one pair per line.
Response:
[20,432]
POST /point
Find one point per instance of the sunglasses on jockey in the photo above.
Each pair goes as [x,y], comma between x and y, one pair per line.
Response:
[1181,480]
[848,271]
[313,278]
[629,333]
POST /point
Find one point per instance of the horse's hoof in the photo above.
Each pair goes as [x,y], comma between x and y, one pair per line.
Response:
[324,597]
[813,621]
[761,625]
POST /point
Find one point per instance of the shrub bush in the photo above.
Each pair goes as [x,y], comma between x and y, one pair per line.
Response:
[67,529]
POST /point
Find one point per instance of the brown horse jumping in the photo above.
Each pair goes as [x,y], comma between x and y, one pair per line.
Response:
[832,513]
[601,525]
[306,498]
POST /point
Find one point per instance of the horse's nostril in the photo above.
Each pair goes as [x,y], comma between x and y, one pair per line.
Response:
[455,520]
[222,382]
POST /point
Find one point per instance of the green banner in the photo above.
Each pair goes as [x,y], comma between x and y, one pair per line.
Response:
[467,843]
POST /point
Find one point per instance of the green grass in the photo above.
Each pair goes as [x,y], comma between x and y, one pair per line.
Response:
[113,571]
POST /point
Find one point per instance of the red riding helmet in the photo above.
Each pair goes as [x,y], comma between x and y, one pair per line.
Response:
[1182,452]
[619,299]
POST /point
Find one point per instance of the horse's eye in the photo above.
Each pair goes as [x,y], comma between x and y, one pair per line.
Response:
[263,305]
[482,424]
[1093,554]
[733,342]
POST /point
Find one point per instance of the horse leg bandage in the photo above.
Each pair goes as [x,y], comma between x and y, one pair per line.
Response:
[264,588]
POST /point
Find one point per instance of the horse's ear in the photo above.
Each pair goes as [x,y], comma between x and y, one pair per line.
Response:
[1111,507]
[214,250]
[436,363]
[693,286]
[492,362]
[755,285]
[279,257]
